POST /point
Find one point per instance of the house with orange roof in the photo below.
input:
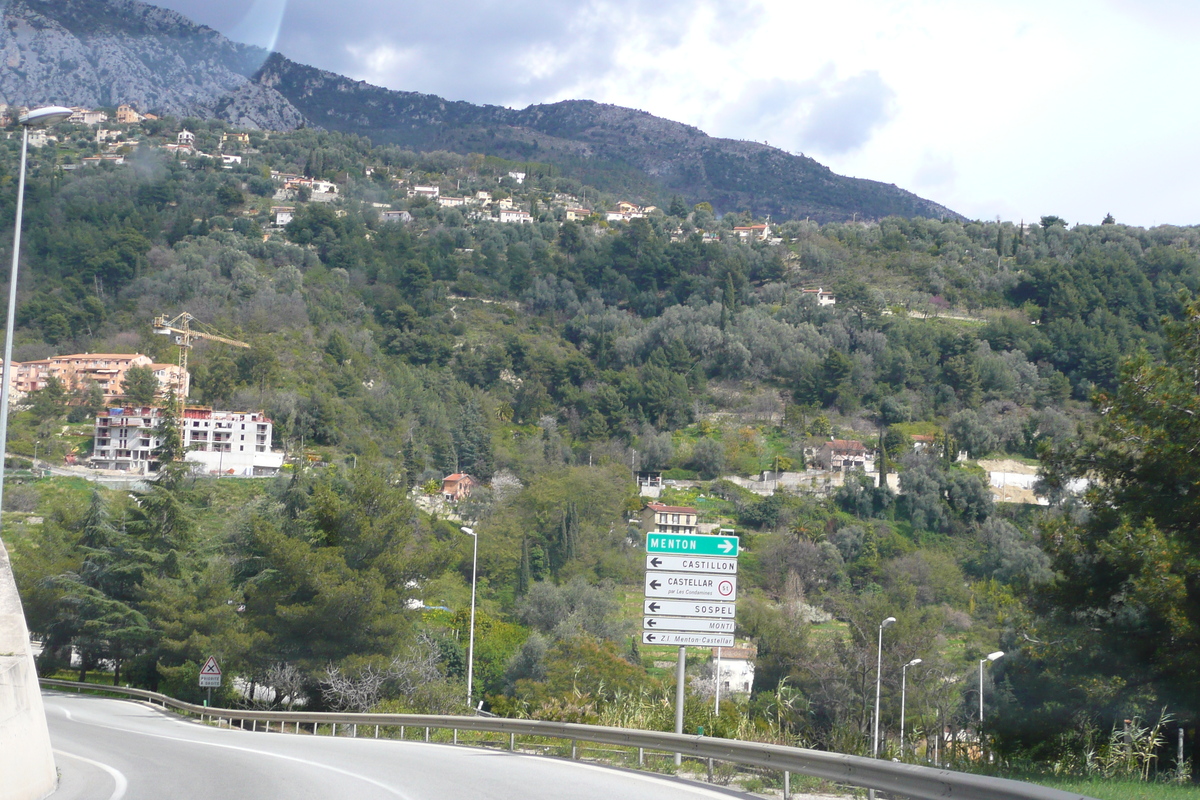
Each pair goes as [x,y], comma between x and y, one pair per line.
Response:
[457,486]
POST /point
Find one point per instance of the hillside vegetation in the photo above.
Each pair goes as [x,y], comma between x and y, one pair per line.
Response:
[546,359]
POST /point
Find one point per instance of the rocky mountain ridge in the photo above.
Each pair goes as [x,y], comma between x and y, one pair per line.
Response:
[107,52]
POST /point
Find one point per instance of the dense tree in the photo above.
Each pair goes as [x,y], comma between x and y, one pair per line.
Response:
[1126,584]
[140,386]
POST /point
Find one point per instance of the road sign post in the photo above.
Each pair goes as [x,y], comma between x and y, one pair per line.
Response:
[210,677]
[690,588]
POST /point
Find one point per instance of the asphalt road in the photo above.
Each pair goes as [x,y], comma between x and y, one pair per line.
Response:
[119,750]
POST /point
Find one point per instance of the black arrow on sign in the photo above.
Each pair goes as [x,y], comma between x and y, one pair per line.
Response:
[649,637]
[651,622]
[655,584]
[654,606]
[656,562]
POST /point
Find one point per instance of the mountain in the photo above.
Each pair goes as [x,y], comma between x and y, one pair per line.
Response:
[106,52]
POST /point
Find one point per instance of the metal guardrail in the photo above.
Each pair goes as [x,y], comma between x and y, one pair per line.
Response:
[906,780]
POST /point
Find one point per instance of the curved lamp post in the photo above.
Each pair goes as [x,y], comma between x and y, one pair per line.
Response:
[471,647]
[878,681]
[37,118]
[982,661]
[903,698]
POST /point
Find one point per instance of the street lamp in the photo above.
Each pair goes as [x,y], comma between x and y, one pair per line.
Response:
[878,680]
[903,698]
[982,661]
[37,118]
[471,647]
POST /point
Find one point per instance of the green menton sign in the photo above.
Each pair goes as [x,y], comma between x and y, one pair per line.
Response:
[692,544]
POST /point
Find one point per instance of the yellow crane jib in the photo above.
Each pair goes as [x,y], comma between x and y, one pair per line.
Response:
[181,328]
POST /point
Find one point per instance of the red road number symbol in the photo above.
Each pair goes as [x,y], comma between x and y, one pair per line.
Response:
[725,588]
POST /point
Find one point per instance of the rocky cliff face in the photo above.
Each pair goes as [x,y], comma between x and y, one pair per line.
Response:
[108,52]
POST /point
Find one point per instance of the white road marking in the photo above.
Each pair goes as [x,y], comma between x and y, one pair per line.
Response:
[306,762]
[118,778]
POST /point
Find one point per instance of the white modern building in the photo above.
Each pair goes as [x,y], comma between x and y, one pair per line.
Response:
[234,443]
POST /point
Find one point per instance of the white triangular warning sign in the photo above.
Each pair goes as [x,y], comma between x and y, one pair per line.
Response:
[210,667]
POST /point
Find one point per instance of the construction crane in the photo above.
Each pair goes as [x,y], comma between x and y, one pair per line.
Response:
[181,328]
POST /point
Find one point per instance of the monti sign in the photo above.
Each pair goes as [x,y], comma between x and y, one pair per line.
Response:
[692,544]
[691,586]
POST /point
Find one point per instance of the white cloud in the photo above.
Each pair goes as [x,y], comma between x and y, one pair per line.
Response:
[1018,108]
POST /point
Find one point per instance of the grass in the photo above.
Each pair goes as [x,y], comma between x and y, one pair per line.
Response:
[1114,789]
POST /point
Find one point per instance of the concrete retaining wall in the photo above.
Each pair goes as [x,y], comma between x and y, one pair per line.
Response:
[26,761]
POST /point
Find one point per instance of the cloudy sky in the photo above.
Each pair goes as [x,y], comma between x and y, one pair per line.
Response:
[1014,109]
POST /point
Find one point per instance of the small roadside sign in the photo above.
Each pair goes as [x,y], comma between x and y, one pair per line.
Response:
[688,639]
[210,674]
[692,544]
[718,566]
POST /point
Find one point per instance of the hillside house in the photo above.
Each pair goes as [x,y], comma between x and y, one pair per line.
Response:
[578,214]
[431,192]
[127,116]
[753,233]
[649,484]
[83,116]
[457,486]
[446,201]
[483,198]
[515,215]
[843,455]
[282,215]
[625,212]
[671,519]
[824,297]
[242,139]
[38,137]
[185,138]
[519,177]
[924,442]
[734,668]
[229,160]
[395,216]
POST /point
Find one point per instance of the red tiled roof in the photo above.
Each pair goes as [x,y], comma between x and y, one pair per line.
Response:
[746,653]
[670,509]
[845,444]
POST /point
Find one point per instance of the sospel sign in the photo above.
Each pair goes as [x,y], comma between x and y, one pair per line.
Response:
[210,674]
[688,608]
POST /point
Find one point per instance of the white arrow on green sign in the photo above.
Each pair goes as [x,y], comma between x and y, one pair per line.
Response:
[692,544]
